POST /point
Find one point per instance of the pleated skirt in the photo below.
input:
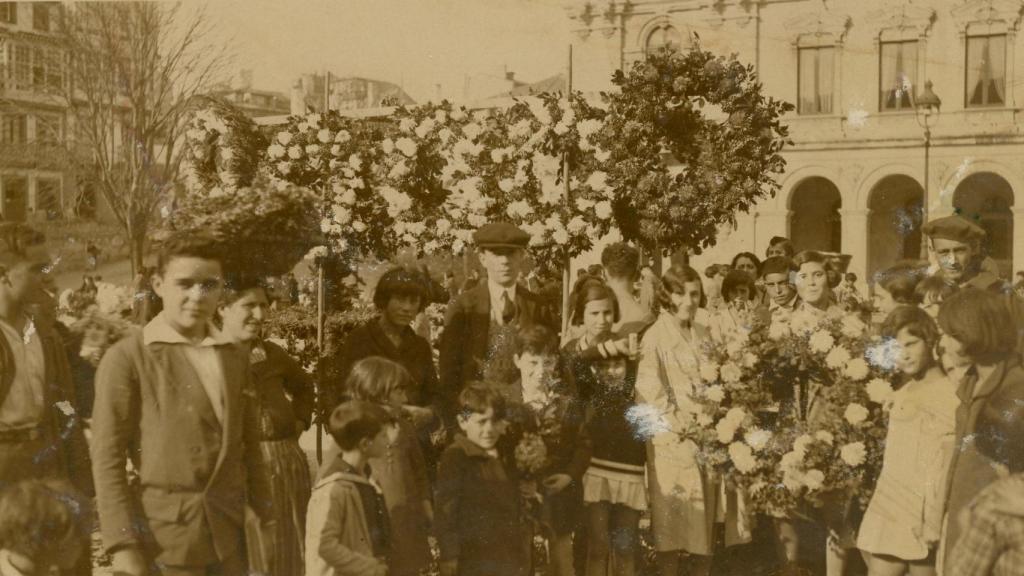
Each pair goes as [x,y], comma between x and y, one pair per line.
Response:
[277,550]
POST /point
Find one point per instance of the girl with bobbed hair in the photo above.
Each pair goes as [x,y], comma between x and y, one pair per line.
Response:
[979,343]
[684,502]
[742,308]
[901,526]
[895,286]
[402,472]
[400,295]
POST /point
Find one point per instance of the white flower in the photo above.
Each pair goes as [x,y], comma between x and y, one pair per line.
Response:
[588,128]
[837,357]
[742,457]
[313,149]
[358,226]
[857,369]
[284,138]
[792,479]
[779,330]
[801,443]
[731,373]
[341,214]
[398,170]
[734,347]
[879,391]
[313,120]
[792,459]
[560,236]
[726,430]
[497,155]
[855,413]
[445,134]
[603,209]
[521,130]
[295,152]
[406,146]
[803,322]
[442,226]
[853,454]
[714,393]
[576,225]
[388,146]
[347,197]
[825,436]
[324,136]
[539,110]
[704,420]
[708,371]
[750,359]
[814,479]
[303,126]
[284,167]
[459,115]
[276,151]
[736,414]
[472,130]
[342,136]
[336,150]
[506,185]
[821,342]
[355,162]
[561,128]
[407,125]
[584,204]
[425,127]
[758,438]
[602,155]
[440,116]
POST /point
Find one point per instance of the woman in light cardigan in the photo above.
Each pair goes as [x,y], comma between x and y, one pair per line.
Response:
[685,502]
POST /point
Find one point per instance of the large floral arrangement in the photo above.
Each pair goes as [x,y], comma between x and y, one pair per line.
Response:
[334,156]
[795,410]
[224,147]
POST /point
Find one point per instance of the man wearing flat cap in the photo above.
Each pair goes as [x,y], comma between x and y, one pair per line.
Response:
[955,242]
[480,327]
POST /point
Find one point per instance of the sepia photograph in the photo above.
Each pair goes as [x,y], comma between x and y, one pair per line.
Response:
[511,288]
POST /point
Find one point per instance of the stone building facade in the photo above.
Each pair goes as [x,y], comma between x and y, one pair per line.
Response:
[855,179]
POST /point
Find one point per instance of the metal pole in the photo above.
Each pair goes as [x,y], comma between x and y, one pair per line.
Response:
[567,261]
[927,174]
[321,302]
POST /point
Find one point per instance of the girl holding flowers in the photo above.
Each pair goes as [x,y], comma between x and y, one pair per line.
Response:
[901,527]
[685,501]
[613,485]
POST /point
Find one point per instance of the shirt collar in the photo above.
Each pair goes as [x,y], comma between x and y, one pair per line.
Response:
[160,330]
[497,290]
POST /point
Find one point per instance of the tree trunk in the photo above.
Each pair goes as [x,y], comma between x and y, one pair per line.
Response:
[137,245]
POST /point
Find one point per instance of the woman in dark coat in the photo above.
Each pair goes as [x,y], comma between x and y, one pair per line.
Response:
[283,395]
[400,295]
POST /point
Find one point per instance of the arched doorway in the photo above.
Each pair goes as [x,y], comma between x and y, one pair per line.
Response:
[986,199]
[816,224]
[894,222]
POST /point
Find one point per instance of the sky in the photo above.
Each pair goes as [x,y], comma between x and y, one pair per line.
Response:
[415,43]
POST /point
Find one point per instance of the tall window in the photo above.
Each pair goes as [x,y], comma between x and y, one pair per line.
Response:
[9,12]
[13,129]
[816,75]
[898,75]
[22,67]
[986,71]
[41,16]
[38,67]
[663,37]
[47,128]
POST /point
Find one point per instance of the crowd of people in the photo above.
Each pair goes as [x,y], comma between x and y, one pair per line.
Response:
[520,431]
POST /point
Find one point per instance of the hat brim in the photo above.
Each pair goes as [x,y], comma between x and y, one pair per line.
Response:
[510,246]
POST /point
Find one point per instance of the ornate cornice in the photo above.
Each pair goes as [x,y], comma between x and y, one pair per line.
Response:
[988,12]
[903,17]
[817,25]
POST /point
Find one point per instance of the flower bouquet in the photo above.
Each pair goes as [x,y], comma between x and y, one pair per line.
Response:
[795,411]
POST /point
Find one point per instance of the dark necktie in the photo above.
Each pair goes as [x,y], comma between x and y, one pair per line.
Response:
[508,309]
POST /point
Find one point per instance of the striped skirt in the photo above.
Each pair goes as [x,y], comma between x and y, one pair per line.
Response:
[277,550]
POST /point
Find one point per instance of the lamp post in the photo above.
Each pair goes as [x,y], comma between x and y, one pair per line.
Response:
[927,105]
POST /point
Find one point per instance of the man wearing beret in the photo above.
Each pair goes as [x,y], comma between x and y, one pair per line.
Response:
[955,242]
[480,327]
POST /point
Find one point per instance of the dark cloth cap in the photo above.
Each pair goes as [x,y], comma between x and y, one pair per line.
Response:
[501,235]
[954,227]
[776,265]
